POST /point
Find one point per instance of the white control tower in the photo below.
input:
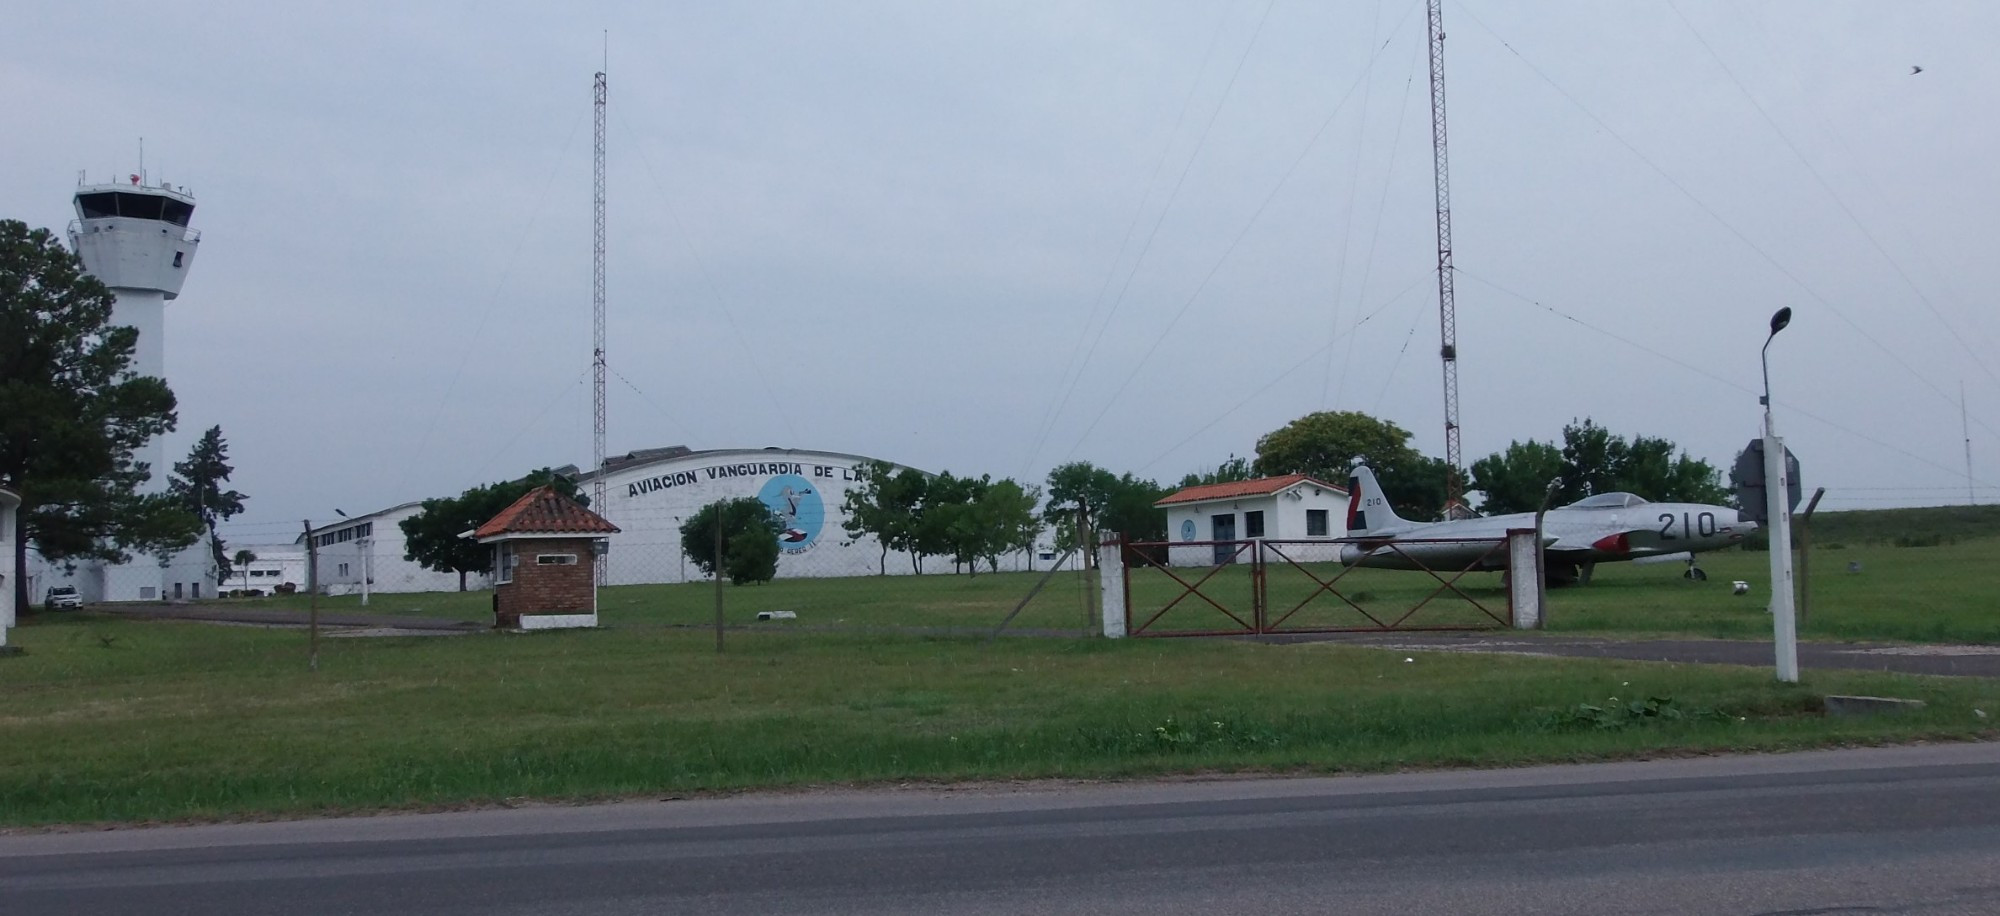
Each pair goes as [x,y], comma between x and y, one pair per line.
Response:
[134,238]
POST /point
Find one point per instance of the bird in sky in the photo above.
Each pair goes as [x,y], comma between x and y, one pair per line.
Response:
[1914,70]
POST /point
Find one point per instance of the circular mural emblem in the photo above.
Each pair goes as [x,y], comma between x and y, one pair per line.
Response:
[799,508]
[1187,530]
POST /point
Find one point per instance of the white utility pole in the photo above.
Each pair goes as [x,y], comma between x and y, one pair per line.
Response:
[1778,514]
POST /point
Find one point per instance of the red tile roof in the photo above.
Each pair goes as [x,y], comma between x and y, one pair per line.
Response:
[544,511]
[1262,486]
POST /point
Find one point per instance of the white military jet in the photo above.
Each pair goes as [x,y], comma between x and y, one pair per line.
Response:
[1603,528]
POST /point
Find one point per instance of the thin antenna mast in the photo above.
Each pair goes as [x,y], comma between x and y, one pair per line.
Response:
[1965,426]
[597,303]
[1454,492]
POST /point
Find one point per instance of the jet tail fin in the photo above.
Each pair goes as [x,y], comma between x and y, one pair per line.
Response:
[1368,510]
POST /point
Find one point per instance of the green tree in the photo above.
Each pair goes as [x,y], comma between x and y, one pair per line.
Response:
[1007,514]
[887,506]
[1325,444]
[1591,460]
[949,525]
[750,533]
[1229,471]
[71,416]
[431,536]
[1130,511]
[1517,479]
[1078,493]
[1596,461]
[243,560]
[197,483]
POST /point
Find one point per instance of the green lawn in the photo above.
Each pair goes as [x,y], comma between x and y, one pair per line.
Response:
[1947,593]
[125,720]
[1944,593]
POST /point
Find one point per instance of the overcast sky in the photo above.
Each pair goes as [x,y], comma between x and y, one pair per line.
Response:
[990,237]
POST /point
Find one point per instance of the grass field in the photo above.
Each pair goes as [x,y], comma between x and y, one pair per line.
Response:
[124,720]
[1944,593]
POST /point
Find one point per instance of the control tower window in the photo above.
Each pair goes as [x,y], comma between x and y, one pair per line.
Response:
[137,206]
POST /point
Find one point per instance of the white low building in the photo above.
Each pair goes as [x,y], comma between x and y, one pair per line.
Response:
[369,549]
[277,568]
[1208,524]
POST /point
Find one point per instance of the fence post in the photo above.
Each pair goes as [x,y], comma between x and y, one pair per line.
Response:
[718,578]
[1111,583]
[1524,578]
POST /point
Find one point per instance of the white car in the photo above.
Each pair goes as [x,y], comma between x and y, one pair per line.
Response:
[63,596]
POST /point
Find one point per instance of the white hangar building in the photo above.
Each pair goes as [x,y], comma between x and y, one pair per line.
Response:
[649,493]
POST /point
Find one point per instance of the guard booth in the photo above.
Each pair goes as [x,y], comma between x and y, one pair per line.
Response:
[545,549]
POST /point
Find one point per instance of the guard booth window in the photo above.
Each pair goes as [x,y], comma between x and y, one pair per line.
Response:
[1253,524]
[1315,523]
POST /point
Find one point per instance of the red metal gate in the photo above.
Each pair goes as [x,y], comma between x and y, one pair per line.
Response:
[1273,586]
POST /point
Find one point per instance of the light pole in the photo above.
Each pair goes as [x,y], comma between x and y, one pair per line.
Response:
[366,556]
[1778,514]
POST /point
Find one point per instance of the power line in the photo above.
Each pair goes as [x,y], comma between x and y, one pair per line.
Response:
[1347,206]
[1375,235]
[533,421]
[468,348]
[1956,334]
[714,291]
[1231,248]
[654,404]
[1064,384]
[1200,144]
[1710,211]
[1700,371]
[1281,376]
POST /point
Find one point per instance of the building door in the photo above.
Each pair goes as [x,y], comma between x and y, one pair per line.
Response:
[1222,530]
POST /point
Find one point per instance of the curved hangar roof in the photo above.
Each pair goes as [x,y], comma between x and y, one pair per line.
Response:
[641,460]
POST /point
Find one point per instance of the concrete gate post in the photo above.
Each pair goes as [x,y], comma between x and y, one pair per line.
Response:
[1111,583]
[1524,578]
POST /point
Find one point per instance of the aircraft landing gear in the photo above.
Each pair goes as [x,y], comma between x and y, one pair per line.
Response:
[1694,573]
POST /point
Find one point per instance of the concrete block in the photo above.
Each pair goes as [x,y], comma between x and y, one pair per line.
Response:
[1864,706]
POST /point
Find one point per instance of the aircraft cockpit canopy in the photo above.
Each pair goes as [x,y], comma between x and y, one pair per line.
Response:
[1608,501]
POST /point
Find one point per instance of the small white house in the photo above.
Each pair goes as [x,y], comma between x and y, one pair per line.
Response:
[10,503]
[1212,520]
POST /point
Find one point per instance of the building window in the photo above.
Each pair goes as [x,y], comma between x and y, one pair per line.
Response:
[196,587]
[343,569]
[1253,524]
[146,592]
[555,559]
[177,591]
[1315,523]
[503,563]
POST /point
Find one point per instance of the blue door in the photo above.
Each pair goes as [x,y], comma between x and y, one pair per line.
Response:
[1222,529]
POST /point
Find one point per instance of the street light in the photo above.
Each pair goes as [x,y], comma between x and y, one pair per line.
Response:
[1778,514]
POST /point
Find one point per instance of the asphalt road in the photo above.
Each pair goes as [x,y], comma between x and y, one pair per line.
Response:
[1900,830]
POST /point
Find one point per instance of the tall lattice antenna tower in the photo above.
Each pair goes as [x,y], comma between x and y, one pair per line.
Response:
[1454,493]
[597,300]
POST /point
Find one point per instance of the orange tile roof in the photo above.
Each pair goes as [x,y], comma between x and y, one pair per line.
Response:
[544,511]
[1262,486]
